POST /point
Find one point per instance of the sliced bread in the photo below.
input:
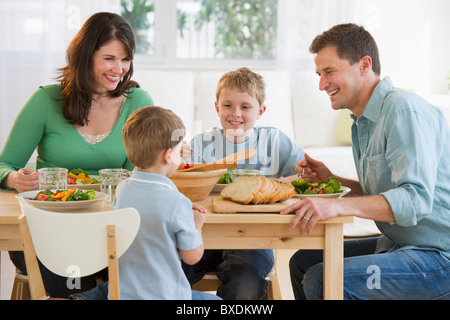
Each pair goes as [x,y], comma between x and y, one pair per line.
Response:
[243,190]
[257,190]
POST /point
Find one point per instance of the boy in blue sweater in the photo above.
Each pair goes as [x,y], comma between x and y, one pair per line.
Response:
[239,104]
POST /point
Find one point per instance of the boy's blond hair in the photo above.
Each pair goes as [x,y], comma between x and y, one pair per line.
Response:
[148,132]
[245,80]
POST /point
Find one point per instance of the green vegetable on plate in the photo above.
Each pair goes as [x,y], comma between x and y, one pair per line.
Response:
[332,185]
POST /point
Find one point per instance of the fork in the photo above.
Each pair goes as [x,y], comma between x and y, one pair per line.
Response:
[301,175]
[193,152]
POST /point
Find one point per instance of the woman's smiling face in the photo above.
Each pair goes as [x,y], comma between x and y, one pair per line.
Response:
[110,63]
[238,112]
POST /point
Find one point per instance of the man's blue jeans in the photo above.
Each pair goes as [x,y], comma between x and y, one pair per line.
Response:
[242,272]
[403,274]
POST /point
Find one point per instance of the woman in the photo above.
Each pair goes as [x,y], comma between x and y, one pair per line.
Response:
[78,122]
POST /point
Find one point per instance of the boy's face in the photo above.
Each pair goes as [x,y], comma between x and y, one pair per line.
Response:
[238,112]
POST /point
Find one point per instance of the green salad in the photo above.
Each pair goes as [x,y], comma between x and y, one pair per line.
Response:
[227,178]
[80,176]
[73,194]
[323,187]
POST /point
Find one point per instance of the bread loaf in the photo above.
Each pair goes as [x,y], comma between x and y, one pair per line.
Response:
[257,190]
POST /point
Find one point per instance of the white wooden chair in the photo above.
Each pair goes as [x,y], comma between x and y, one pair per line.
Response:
[74,244]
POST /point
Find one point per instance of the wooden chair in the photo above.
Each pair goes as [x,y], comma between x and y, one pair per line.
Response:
[210,282]
[21,288]
[74,244]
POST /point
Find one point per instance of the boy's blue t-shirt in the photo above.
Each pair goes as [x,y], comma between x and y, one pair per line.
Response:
[276,154]
[151,267]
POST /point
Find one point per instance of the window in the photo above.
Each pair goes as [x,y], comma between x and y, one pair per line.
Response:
[237,29]
[177,30]
[140,14]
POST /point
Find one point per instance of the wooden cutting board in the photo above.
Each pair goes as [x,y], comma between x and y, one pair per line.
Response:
[220,205]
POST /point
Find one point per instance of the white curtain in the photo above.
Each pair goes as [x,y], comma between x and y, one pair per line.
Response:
[34,35]
[412,36]
[299,21]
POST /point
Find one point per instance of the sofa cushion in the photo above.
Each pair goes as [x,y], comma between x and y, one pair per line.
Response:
[171,90]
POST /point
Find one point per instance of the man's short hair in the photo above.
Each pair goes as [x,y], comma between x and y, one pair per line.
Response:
[352,42]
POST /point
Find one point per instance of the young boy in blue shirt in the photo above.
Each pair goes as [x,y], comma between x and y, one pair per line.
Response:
[170,224]
[239,104]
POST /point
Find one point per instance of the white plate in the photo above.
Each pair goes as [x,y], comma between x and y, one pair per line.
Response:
[89,186]
[325,196]
[61,205]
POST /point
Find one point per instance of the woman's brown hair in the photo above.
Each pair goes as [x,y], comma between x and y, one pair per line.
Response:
[77,80]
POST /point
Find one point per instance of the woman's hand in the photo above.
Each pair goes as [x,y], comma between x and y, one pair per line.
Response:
[23,180]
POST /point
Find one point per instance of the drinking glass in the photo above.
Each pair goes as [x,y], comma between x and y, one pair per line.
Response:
[52,178]
[110,178]
[242,173]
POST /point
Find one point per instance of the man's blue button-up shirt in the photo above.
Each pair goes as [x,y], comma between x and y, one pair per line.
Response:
[401,148]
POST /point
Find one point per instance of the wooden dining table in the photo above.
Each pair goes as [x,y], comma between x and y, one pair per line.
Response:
[255,230]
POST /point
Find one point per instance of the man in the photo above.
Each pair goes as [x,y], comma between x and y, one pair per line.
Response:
[401,148]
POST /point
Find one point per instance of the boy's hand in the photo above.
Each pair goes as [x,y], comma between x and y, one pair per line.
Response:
[199,220]
[198,207]
[186,151]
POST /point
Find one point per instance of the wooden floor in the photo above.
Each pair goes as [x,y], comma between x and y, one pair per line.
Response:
[7,274]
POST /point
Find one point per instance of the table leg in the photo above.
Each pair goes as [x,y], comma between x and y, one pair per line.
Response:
[333,262]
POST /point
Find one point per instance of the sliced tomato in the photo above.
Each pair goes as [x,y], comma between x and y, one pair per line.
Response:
[71,180]
[42,197]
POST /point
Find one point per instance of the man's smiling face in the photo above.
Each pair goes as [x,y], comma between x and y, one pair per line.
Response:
[341,80]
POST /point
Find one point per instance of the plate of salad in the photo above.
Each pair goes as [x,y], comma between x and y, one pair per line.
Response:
[332,188]
[67,199]
[224,180]
[81,179]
